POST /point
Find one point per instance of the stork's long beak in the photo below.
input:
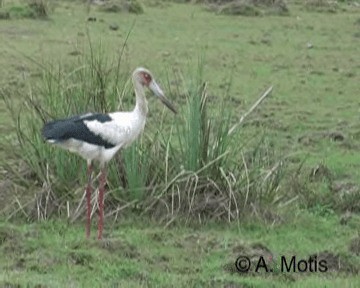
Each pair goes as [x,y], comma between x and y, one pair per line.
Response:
[154,87]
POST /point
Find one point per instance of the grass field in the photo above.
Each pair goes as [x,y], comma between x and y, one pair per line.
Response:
[311,120]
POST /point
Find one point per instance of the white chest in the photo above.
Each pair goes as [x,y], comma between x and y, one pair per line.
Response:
[130,125]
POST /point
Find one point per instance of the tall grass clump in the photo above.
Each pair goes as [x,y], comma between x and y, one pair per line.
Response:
[215,174]
[91,84]
[196,165]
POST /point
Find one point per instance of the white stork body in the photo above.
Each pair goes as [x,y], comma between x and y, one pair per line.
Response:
[97,137]
[121,130]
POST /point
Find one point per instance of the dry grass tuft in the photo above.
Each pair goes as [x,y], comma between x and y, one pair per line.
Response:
[116,6]
[249,7]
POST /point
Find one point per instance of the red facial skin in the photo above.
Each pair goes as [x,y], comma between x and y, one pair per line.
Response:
[146,78]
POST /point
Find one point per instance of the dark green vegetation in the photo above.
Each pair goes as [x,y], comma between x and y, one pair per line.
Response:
[286,182]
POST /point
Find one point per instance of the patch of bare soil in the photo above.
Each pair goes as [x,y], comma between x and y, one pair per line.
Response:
[81,258]
[111,245]
[198,243]
[119,246]
[346,195]
[354,247]
[343,195]
[251,253]
[312,138]
[249,7]
[114,6]
[159,237]
[11,241]
[259,255]
[320,172]
[345,218]
[335,262]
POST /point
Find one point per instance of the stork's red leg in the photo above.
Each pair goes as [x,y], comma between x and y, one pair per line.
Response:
[102,181]
[88,200]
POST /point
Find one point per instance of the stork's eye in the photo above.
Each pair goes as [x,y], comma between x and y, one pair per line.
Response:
[146,78]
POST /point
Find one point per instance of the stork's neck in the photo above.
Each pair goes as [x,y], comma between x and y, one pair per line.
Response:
[141,106]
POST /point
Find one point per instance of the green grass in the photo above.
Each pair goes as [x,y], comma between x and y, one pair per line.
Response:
[142,254]
[315,93]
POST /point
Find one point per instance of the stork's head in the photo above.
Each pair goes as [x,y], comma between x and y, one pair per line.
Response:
[144,77]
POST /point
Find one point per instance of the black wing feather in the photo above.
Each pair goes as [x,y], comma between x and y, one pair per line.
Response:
[74,127]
